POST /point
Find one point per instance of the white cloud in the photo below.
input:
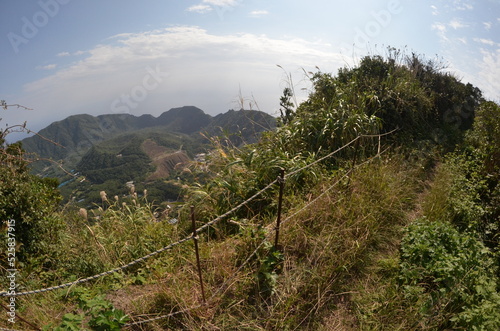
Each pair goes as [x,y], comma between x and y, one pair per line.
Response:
[488,42]
[197,68]
[62,54]
[47,67]
[487,25]
[457,24]
[463,5]
[434,10]
[221,3]
[440,28]
[201,8]
[489,73]
[259,13]
[220,7]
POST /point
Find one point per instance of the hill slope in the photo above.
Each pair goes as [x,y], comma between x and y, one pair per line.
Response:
[76,134]
[110,150]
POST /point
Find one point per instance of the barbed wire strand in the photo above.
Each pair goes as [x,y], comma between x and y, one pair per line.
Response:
[197,231]
[217,219]
[288,218]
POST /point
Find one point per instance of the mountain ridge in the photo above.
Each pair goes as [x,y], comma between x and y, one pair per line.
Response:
[125,147]
[80,132]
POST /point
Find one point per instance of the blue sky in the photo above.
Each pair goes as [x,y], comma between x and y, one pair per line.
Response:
[65,57]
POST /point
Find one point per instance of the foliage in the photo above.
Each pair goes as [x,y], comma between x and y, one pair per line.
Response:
[128,164]
[484,140]
[30,201]
[117,232]
[286,110]
[450,277]
[99,312]
[267,275]
[341,262]
[404,92]
[469,181]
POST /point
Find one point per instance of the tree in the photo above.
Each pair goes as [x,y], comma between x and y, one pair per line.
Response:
[286,104]
[27,199]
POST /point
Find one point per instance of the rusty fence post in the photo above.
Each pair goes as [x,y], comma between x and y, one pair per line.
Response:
[356,147]
[22,319]
[281,181]
[195,238]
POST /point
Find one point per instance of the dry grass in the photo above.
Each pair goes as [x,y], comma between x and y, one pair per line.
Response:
[331,251]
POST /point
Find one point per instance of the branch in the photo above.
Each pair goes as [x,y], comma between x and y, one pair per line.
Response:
[4,105]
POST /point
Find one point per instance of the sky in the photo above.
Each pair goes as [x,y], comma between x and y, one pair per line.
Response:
[66,57]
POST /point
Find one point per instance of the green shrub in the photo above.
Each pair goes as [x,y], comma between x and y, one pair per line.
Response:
[99,314]
[30,201]
[450,277]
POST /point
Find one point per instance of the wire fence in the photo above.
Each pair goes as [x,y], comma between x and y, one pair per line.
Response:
[270,229]
[226,284]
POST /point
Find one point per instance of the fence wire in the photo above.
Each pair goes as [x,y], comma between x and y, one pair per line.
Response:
[102,274]
[83,280]
[338,150]
[270,230]
[208,224]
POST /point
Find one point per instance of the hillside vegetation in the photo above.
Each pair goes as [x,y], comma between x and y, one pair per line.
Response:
[90,154]
[390,220]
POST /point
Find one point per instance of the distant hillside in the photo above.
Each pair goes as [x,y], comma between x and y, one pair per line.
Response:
[110,150]
[79,132]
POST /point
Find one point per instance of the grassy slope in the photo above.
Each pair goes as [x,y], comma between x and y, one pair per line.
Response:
[331,250]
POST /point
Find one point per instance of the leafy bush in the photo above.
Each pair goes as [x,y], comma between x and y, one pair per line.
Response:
[97,311]
[405,92]
[30,201]
[484,148]
[450,277]
[467,184]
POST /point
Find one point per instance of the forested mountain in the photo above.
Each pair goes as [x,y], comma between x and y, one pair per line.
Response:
[74,135]
[110,150]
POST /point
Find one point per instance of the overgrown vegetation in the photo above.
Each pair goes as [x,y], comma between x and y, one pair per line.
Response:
[394,231]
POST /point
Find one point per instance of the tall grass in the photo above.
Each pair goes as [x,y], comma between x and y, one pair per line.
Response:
[326,250]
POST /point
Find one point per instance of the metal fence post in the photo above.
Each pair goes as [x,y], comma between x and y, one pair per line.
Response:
[356,147]
[281,181]
[195,238]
